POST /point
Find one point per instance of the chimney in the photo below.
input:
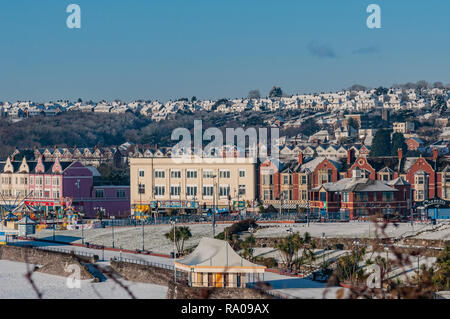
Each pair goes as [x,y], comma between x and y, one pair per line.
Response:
[349,156]
[400,154]
[300,158]
[435,154]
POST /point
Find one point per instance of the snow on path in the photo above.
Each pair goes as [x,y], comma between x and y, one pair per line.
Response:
[14,285]
[131,237]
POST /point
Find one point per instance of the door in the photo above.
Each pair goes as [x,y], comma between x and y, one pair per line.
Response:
[219,280]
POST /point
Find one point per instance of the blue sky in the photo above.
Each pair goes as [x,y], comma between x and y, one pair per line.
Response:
[167,49]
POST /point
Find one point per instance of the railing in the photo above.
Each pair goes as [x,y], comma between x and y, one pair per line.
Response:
[66,251]
[143,262]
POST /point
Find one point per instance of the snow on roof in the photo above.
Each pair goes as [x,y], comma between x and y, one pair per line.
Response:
[356,185]
[215,253]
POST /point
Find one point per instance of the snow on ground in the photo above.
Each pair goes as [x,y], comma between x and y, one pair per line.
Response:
[14,285]
[352,229]
[401,272]
[155,241]
[131,237]
[302,288]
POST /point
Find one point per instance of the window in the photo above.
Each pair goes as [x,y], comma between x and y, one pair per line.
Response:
[267,179]
[175,190]
[224,190]
[286,179]
[48,181]
[160,190]
[242,173]
[31,180]
[55,194]
[322,196]
[160,174]
[175,173]
[99,193]
[420,195]
[224,174]
[345,197]
[362,197]
[141,189]
[267,194]
[207,173]
[241,189]
[120,193]
[208,190]
[191,190]
[304,194]
[286,195]
[141,173]
[304,180]
[388,196]
[191,174]
[420,179]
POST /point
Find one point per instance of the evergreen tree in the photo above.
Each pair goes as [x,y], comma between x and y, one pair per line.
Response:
[398,141]
[381,145]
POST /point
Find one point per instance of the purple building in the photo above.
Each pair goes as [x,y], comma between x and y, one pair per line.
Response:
[78,184]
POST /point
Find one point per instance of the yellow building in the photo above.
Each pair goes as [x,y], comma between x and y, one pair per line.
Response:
[192,182]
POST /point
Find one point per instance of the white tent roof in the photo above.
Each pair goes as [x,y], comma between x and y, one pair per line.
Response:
[215,253]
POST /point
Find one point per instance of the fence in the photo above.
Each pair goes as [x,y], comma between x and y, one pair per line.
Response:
[285,216]
[66,251]
[143,262]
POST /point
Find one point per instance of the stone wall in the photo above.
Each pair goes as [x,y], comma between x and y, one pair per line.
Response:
[51,262]
[142,273]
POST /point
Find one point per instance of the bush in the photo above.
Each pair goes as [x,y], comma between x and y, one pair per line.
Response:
[237,228]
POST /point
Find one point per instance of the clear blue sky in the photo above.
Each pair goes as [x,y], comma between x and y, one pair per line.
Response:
[163,49]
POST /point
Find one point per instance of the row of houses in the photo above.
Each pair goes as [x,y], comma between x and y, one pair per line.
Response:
[322,184]
[355,185]
[52,187]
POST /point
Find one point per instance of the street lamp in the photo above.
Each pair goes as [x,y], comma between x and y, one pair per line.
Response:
[214,206]
[324,251]
[281,204]
[356,244]
[172,221]
[251,230]
[142,234]
[112,228]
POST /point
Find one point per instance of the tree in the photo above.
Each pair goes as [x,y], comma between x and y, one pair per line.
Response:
[381,145]
[193,99]
[357,87]
[182,233]
[276,92]
[353,123]
[254,94]
[398,141]
[381,91]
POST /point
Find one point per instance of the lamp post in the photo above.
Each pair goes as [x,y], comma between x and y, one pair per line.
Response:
[142,235]
[356,244]
[112,228]
[251,230]
[324,251]
[214,206]
[172,221]
[281,204]
[54,226]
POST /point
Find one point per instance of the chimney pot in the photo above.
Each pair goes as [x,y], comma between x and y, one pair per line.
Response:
[435,154]
[400,154]
[300,158]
